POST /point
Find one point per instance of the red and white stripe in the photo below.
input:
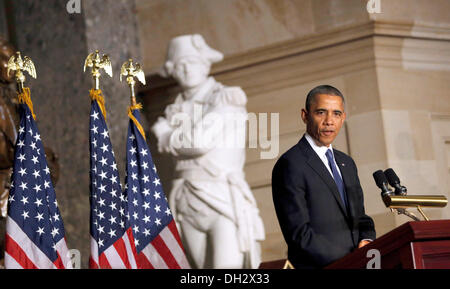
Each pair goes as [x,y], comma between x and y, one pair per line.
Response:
[164,252]
[120,255]
[22,253]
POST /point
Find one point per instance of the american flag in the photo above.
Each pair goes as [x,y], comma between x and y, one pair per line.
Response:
[35,236]
[111,236]
[155,234]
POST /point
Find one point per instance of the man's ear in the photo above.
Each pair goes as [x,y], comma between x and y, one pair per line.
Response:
[304,115]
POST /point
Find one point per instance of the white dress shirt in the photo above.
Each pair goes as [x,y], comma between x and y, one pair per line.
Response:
[321,152]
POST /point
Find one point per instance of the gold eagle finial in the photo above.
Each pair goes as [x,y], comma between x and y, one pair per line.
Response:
[97,63]
[130,71]
[19,65]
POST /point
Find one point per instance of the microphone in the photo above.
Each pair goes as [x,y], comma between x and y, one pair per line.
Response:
[398,201]
[394,181]
[382,183]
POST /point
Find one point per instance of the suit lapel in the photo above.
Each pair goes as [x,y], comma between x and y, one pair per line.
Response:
[317,165]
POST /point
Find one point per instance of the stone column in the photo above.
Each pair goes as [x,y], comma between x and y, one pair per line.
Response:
[58,43]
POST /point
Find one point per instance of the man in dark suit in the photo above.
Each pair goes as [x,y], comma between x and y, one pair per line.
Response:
[316,190]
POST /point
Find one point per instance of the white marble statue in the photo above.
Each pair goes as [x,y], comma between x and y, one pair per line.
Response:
[204,130]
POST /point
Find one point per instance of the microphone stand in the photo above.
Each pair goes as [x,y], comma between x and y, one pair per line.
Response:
[403,211]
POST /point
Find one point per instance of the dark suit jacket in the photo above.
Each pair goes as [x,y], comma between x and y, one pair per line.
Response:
[316,227]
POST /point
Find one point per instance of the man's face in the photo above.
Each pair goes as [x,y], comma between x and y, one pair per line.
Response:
[325,118]
[190,72]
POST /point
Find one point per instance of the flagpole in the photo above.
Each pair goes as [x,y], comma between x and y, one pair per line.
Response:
[19,65]
[97,63]
[147,236]
[130,71]
[22,250]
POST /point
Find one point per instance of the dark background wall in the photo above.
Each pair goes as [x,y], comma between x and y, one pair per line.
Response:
[58,43]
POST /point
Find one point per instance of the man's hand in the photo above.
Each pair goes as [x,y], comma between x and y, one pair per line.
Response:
[362,243]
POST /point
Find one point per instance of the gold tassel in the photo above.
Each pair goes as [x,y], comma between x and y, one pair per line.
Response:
[96,94]
[25,98]
[131,116]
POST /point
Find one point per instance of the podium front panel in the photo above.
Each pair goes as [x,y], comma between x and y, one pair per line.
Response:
[431,254]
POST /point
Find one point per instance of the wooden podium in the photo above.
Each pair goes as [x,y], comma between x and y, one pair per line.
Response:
[413,245]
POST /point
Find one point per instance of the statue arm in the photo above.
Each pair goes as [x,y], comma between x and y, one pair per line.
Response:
[219,128]
[188,140]
[225,120]
[162,130]
[176,140]
[163,127]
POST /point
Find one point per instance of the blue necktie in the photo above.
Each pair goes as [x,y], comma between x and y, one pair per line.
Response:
[337,177]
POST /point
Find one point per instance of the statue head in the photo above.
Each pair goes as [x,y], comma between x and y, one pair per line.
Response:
[6,51]
[189,60]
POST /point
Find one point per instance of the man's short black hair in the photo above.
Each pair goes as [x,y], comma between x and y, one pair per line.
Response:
[322,89]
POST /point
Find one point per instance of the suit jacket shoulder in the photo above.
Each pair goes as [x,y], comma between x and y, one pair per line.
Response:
[290,163]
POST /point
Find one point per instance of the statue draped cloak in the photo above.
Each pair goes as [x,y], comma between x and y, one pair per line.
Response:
[209,180]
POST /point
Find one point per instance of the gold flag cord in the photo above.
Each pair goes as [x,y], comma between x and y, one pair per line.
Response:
[136,122]
[25,98]
[96,94]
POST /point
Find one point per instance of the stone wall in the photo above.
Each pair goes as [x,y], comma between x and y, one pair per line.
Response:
[58,43]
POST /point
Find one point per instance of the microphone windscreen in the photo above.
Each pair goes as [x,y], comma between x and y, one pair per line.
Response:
[380,179]
[392,177]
